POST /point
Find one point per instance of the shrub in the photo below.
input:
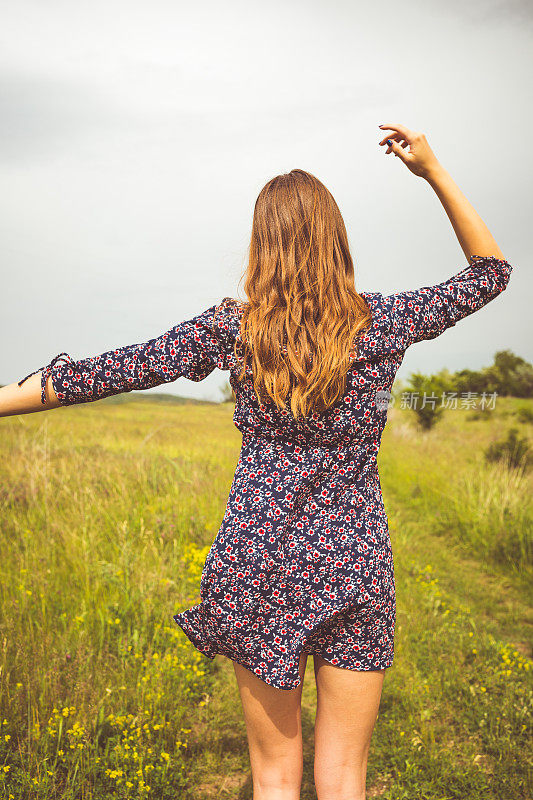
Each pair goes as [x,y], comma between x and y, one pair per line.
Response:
[513,450]
[427,387]
[525,414]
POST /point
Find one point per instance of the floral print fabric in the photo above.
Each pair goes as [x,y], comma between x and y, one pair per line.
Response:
[302,559]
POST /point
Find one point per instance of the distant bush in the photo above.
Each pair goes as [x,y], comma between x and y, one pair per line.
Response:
[525,414]
[423,388]
[514,451]
[509,375]
[485,413]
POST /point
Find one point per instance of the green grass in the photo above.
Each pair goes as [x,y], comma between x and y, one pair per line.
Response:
[107,511]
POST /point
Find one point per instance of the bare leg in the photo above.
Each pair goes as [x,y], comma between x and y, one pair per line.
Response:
[347,708]
[274,728]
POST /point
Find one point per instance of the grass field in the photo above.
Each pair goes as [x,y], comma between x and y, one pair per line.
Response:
[107,511]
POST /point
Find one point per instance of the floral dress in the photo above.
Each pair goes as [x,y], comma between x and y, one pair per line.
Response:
[302,560]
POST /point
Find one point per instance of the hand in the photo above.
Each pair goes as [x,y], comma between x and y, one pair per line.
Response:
[420,159]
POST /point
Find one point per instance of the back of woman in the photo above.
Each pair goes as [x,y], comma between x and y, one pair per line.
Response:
[302,563]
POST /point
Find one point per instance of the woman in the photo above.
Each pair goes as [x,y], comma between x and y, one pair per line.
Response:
[302,561]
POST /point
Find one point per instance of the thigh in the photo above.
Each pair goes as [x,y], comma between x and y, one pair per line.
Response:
[347,708]
[273,722]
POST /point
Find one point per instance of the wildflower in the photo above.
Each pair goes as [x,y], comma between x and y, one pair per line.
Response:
[116,773]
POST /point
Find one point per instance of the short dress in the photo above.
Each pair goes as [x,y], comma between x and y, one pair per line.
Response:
[302,561]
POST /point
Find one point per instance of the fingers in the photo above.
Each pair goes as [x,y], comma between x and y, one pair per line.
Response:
[397,137]
[392,140]
[403,132]
[396,148]
[401,138]
[418,158]
[404,136]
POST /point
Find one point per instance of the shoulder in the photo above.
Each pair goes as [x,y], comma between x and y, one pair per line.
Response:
[230,305]
[371,298]
[377,338]
[379,307]
[227,315]
[220,323]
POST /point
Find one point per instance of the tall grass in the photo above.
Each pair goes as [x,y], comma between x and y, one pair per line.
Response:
[101,528]
[490,509]
[106,515]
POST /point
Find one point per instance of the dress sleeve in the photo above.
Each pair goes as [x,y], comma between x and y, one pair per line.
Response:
[191,349]
[427,312]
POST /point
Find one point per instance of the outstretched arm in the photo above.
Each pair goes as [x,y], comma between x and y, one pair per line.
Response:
[25,399]
[191,349]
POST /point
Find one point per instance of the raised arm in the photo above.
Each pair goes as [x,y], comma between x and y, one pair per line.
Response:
[191,349]
[427,312]
[472,233]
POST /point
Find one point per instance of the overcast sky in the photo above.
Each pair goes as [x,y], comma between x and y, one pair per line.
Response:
[135,137]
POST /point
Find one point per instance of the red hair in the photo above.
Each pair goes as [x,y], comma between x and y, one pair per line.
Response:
[303,311]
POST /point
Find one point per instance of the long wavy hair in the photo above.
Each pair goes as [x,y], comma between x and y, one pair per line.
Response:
[303,314]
